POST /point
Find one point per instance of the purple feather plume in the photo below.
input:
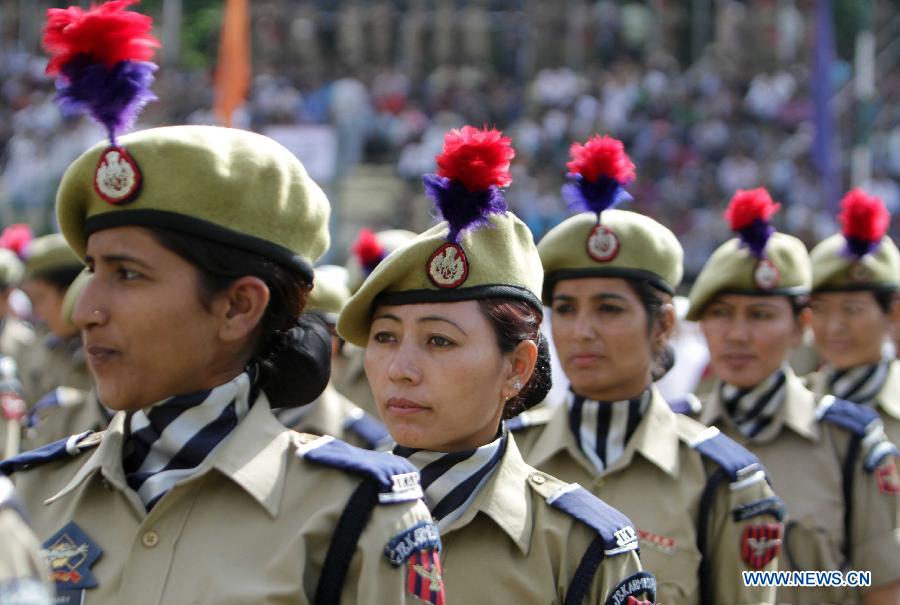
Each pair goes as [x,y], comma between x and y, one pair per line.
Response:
[859,247]
[461,208]
[112,96]
[603,193]
[755,236]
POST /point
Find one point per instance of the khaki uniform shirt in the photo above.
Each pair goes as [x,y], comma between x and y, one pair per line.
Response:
[348,374]
[252,525]
[658,482]
[887,403]
[81,412]
[23,573]
[51,363]
[804,457]
[511,546]
[332,414]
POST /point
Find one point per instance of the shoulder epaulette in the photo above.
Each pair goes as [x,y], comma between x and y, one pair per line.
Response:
[854,417]
[397,478]
[8,498]
[69,447]
[737,461]
[369,430]
[614,528]
[534,417]
[689,405]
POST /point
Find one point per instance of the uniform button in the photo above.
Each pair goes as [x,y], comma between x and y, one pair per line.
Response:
[150,539]
[537,479]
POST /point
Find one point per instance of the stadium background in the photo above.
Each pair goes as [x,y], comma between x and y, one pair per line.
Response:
[800,96]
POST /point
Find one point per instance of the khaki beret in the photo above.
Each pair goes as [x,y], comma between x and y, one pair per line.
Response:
[625,244]
[499,260]
[47,254]
[733,269]
[226,185]
[329,294]
[11,268]
[862,256]
[386,242]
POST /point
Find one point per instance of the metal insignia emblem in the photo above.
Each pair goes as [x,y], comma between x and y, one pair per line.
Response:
[117,177]
[859,273]
[448,267]
[602,244]
[766,275]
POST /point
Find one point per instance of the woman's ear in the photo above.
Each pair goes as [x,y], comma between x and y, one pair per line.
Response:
[801,325]
[665,325]
[522,360]
[241,308]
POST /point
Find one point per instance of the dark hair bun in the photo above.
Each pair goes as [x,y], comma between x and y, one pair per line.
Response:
[664,361]
[299,366]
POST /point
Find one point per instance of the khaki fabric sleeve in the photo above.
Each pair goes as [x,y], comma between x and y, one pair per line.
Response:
[23,573]
[742,544]
[619,577]
[875,525]
[373,579]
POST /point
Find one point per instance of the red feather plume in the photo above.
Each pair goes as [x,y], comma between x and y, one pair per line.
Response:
[16,238]
[863,216]
[479,159]
[601,156]
[107,33]
[747,206]
[367,249]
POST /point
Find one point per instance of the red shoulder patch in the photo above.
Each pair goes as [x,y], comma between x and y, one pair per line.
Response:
[760,544]
[888,480]
[424,578]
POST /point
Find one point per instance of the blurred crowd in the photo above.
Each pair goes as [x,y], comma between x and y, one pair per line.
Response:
[389,79]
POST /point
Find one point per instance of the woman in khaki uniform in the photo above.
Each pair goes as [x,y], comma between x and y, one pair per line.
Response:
[23,573]
[15,334]
[451,326]
[16,337]
[856,274]
[200,241]
[830,463]
[332,413]
[56,358]
[610,275]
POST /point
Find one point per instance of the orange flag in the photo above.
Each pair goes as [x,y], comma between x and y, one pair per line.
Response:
[232,79]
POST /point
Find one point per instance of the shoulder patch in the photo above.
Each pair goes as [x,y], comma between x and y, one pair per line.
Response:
[533,417]
[767,506]
[636,588]
[737,461]
[851,416]
[69,447]
[614,528]
[421,536]
[689,405]
[396,476]
[369,430]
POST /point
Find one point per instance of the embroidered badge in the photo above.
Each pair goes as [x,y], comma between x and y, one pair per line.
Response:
[773,506]
[70,554]
[888,481]
[858,273]
[117,178]
[663,543]
[766,275]
[642,584]
[760,544]
[423,577]
[602,244]
[448,267]
[422,536]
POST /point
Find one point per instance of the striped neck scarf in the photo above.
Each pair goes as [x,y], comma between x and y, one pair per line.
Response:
[452,481]
[166,442]
[753,409]
[861,384]
[602,428]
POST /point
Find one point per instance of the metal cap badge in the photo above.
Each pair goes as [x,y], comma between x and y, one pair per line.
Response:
[472,168]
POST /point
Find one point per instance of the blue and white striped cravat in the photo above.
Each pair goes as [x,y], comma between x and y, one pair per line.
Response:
[168,441]
[602,428]
[752,409]
[861,384]
[452,481]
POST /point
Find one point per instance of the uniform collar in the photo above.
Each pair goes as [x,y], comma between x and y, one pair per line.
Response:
[506,498]
[656,439]
[797,412]
[253,456]
[887,399]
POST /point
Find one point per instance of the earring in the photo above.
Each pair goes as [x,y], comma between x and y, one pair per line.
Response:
[517,385]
